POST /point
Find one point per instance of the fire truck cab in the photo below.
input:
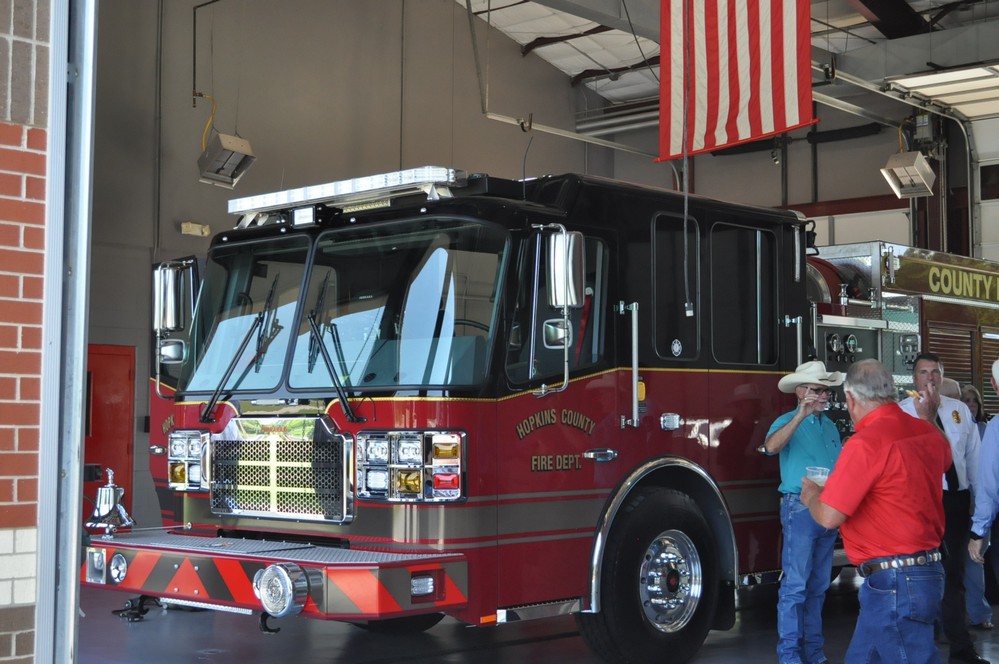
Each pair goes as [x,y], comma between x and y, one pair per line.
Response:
[426,393]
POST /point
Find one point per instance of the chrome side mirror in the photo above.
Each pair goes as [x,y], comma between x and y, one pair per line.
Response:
[172,351]
[168,299]
[557,334]
[566,270]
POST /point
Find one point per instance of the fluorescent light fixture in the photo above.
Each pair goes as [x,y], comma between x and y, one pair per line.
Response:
[909,174]
[225,160]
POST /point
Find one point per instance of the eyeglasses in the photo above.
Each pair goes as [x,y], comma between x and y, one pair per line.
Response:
[819,391]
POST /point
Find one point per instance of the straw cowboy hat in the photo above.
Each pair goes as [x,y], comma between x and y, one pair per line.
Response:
[809,373]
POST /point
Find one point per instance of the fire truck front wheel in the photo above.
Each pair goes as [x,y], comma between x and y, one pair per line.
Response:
[658,582]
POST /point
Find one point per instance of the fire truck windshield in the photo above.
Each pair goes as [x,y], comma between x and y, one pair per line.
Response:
[403,305]
[251,290]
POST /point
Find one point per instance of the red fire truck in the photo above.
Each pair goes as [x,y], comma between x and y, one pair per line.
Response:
[433,393]
[876,299]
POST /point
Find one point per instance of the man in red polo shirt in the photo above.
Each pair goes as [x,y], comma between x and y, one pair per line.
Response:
[885,496]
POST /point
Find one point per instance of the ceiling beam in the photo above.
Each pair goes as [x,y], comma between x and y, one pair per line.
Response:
[614,73]
[892,18]
[946,49]
[548,41]
[644,14]
[853,109]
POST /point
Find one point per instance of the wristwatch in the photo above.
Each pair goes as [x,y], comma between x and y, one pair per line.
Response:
[975,536]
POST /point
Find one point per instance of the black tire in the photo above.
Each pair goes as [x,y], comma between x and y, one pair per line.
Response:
[662,532]
[404,625]
[834,572]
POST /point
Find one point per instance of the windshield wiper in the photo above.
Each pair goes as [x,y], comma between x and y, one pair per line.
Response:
[335,333]
[206,414]
[316,340]
[341,394]
[268,321]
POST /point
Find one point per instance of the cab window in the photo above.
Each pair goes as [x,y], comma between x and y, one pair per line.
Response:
[743,294]
[529,357]
[676,282]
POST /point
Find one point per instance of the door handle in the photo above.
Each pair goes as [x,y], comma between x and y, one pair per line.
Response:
[600,454]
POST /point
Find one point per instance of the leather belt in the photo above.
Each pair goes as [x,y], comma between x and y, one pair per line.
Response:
[897,562]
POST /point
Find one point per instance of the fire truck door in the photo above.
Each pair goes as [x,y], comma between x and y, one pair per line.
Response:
[109,417]
[550,492]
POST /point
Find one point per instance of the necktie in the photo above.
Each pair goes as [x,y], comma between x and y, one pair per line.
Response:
[953,484]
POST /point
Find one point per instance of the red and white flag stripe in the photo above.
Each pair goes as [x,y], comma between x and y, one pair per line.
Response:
[741,68]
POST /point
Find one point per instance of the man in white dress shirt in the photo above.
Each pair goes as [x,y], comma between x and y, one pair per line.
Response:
[954,418]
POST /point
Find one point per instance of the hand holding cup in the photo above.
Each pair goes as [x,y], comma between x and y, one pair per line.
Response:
[817,474]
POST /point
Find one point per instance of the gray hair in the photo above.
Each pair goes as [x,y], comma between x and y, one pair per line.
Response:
[871,383]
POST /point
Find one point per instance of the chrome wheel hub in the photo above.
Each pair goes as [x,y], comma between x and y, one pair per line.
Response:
[670,581]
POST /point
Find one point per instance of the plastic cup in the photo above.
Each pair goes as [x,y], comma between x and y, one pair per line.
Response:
[817,474]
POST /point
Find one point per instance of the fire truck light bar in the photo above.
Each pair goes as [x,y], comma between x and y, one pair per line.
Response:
[424,178]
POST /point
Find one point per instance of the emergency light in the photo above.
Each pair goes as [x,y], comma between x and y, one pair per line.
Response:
[356,191]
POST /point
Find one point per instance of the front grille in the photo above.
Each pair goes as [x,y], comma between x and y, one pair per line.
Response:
[301,479]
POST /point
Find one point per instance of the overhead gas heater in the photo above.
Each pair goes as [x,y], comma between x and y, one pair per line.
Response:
[909,174]
[225,159]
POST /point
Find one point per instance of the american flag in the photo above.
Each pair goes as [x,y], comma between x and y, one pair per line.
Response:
[742,68]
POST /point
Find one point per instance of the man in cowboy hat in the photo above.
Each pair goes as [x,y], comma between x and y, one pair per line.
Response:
[803,437]
[954,419]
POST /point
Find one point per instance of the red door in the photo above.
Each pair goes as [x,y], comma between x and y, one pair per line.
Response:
[109,414]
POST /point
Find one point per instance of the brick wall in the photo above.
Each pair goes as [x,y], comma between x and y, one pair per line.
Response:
[22,214]
[24,77]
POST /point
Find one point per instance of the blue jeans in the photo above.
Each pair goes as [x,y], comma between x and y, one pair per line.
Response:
[807,563]
[897,610]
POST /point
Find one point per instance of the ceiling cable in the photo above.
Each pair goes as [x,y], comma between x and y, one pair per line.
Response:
[634,34]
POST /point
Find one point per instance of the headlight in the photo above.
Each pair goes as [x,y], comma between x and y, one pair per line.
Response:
[178,447]
[411,466]
[409,451]
[186,450]
[377,451]
[187,444]
[376,480]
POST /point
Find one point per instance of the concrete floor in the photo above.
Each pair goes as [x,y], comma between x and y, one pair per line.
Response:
[207,637]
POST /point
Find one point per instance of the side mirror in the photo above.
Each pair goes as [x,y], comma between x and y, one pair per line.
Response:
[557,334]
[566,270]
[172,351]
[168,300]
